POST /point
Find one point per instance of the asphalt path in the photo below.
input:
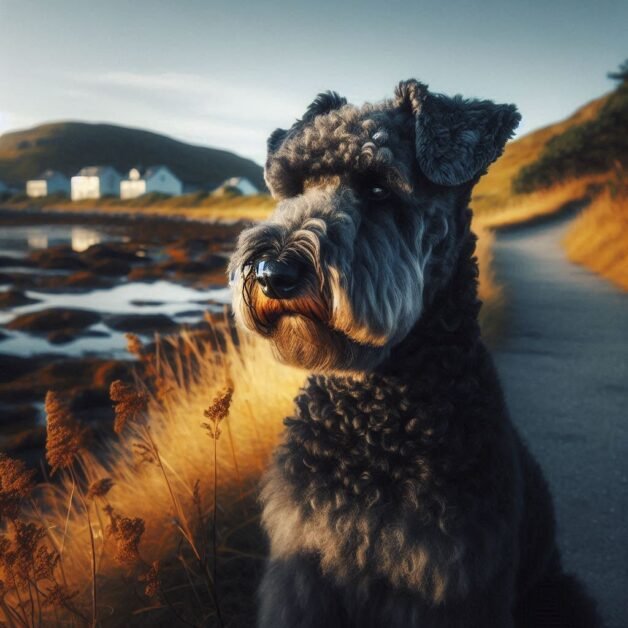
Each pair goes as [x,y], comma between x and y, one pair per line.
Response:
[564,367]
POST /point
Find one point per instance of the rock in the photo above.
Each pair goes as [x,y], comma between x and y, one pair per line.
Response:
[215,262]
[70,335]
[14,366]
[8,260]
[111,267]
[57,258]
[86,280]
[54,319]
[145,303]
[30,438]
[111,251]
[62,337]
[14,298]
[16,417]
[211,263]
[190,313]
[140,323]
[146,274]
[31,378]
[188,248]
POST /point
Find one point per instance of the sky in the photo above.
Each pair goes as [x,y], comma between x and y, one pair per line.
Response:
[226,73]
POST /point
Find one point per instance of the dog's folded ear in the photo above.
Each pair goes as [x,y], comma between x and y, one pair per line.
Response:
[456,138]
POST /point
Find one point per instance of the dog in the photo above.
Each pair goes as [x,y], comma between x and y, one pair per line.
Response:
[401,494]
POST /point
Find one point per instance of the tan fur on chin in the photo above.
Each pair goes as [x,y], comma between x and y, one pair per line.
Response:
[270,310]
[343,320]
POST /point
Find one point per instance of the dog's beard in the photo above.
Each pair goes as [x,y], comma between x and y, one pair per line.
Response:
[301,329]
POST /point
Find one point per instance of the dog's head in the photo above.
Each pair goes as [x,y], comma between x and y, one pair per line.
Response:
[368,225]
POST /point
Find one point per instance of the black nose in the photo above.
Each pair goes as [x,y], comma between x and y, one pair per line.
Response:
[278,280]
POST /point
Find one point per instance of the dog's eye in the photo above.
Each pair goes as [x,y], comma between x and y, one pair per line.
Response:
[378,193]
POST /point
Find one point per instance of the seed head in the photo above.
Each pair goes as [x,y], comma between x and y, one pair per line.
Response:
[65,437]
[152,578]
[100,488]
[127,533]
[134,345]
[59,595]
[216,412]
[16,483]
[130,404]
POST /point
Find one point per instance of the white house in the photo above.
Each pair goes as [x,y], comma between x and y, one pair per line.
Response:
[96,182]
[241,184]
[154,179]
[50,182]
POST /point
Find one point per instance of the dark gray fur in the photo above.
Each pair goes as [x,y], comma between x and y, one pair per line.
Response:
[401,495]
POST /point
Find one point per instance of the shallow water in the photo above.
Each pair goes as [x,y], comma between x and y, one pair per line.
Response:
[182,303]
[18,241]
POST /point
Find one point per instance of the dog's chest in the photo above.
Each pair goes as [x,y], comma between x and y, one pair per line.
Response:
[364,481]
[370,444]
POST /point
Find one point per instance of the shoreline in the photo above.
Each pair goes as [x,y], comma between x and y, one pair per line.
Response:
[29,215]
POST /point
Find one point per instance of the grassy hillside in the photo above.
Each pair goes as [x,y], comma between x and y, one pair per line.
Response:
[68,146]
[494,192]
[598,145]
[598,237]
[582,160]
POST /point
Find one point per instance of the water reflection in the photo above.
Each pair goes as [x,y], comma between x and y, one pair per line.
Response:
[181,303]
[18,241]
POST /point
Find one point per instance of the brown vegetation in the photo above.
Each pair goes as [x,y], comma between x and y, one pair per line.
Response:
[598,237]
[199,206]
[163,528]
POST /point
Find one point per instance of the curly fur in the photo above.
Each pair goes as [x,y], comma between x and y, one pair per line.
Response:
[401,494]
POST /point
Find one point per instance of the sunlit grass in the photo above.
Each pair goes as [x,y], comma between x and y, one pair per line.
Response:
[494,192]
[163,525]
[201,206]
[598,237]
[525,208]
[161,472]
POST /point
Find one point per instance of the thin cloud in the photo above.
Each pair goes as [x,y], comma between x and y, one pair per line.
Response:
[188,106]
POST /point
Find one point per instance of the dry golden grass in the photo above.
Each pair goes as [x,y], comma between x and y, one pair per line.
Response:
[191,206]
[494,192]
[525,208]
[598,237]
[139,529]
[162,527]
[489,290]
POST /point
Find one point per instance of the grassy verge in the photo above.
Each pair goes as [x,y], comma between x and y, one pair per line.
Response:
[489,290]
[527,208]
[192,206]
[598,237]
[162,529]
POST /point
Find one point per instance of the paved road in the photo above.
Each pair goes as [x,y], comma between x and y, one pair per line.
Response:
[564,366]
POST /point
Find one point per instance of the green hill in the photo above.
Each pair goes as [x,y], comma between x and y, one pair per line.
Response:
[494,192]
[595,146]
[68,146]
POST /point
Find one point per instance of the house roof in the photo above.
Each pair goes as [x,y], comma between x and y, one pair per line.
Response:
[95,171]
[235,181]
[49,174]
[152,171]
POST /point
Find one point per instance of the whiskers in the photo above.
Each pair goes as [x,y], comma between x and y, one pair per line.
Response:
[264,312]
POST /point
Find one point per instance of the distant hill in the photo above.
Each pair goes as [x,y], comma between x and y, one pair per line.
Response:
[596,146]
[68,146]
[495,189]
